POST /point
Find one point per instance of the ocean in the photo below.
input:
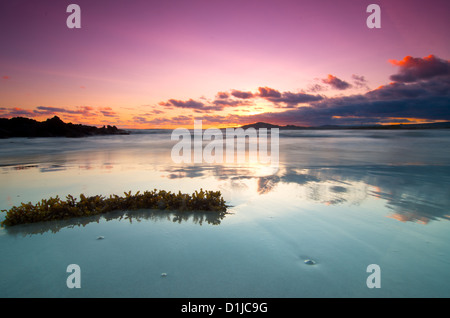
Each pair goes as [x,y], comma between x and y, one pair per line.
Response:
[338,202]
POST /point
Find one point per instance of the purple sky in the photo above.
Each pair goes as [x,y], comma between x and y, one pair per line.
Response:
[163,63]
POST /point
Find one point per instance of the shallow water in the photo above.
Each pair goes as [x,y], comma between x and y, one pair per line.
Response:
[345,199]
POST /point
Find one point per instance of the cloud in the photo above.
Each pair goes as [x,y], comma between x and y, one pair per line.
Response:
[266,92]
[397,91]
[180,120]
[360,81]
[79,113]
[222,95]
[6,77]
[241,94]
[414,69]
[420,91]
[289,99]
[191,104]
[336,112]
[41,110]
[427,99]
[108,112]
[231,102]
[144,120]
[17,112]
[377,106]
[185,104]
[239,98]
[79,110]
[336,83]
[315,88]
[293,99]
[222,100]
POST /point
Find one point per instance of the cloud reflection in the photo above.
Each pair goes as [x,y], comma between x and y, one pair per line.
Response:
[412,193]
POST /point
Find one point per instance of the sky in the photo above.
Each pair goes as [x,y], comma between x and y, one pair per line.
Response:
[162,64]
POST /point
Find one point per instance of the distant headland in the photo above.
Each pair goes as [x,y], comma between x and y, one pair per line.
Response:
[440,125]
[52,127]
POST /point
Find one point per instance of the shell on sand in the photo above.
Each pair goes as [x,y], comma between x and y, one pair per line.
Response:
[309,262]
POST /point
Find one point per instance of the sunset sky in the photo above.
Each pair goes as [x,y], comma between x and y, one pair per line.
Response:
[162,64]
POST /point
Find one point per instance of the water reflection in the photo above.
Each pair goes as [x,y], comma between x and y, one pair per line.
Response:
[408,171]
[412,193]
[195,217]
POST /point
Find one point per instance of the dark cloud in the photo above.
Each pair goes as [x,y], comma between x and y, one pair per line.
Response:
[421,90]
[315,88]
[185,104]
[231,102]
[241,94]
[222,95]
[293,99]
[414,69]
[17,112]
[144,120]
[222,100]
[289,99]
[178,120]
[434,87]
[79,110]
[266,92]
[181,118]
[83,111]
[50,110]
[365,111]
[108,112]
[335,82]
[397,91]
[427,99]
[192,104]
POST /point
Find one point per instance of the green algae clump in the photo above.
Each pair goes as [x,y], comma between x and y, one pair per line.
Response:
[57,209]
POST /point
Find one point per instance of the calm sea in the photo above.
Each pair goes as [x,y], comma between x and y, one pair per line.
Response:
[345,199]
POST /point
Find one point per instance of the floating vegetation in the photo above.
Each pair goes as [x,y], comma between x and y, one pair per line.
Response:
[57,209]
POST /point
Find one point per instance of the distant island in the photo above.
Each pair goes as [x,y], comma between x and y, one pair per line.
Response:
[52,127]
[441,125]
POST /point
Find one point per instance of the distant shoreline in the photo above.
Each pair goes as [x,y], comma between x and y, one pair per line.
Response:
[52,127]
[55,127]
[441,125]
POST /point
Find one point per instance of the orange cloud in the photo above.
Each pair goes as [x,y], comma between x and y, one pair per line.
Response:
[413,69]
[335,82]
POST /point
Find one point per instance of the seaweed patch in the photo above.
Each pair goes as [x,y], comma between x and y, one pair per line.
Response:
[58,209]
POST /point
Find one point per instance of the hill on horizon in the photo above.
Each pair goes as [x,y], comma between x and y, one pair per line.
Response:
[52,127]
[439,125]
